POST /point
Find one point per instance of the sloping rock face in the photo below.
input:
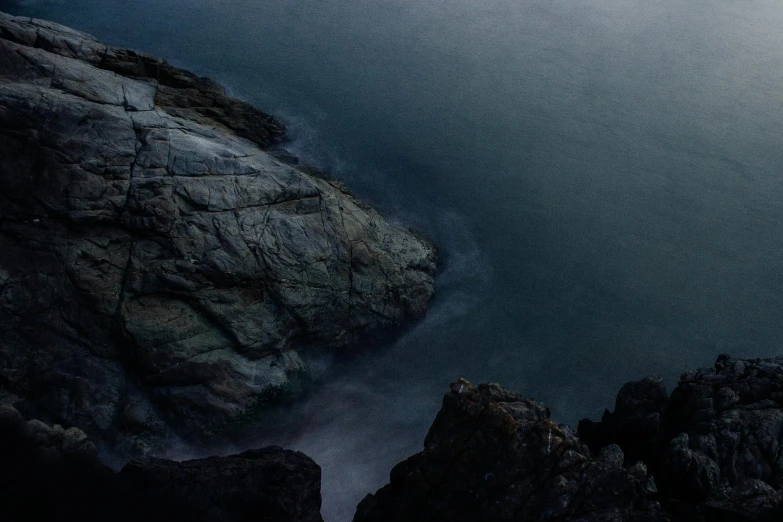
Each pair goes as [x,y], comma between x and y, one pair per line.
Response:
[47,473]
[492,455]
[157,266]
[714,446]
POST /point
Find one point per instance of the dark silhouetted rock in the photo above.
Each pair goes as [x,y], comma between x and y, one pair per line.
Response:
[492,455]
[636,424]
[157,266]
[717,455]
[51,474]
[266,484]
[724,429]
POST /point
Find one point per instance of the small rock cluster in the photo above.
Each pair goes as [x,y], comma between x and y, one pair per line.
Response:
[51,443]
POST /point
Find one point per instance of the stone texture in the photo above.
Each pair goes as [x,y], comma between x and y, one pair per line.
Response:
[724,428]
[157,266]
[708,453]
[493,455]
[177,92]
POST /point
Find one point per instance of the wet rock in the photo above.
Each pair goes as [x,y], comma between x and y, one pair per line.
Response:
[158,267]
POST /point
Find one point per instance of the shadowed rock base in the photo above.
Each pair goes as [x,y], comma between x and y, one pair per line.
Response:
[51,474]
[493,455]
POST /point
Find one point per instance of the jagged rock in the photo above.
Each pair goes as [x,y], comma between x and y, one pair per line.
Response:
[51,443]
[266,484]
[717,455]
[492,455]
[157,266]
[725,427]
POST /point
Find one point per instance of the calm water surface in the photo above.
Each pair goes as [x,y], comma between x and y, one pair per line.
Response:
[603,177]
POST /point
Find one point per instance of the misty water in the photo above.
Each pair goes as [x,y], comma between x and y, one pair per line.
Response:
[603,178]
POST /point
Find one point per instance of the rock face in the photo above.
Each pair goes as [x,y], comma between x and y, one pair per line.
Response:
[714,446]
[157,266]
[492,455]
[47,473]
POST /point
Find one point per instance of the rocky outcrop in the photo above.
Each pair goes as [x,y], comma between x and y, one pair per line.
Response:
[158,266]
[492,455]
[711,452]
[48,443]
[714,446]
[47,473]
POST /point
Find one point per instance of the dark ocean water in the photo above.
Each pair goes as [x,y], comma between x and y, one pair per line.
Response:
[604,178]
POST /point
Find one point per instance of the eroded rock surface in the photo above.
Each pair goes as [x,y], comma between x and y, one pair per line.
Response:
[157,266]
[492,455]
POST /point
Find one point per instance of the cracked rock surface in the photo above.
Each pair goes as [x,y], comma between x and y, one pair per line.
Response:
[158,266]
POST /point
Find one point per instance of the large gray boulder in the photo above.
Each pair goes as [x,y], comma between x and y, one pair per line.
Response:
[158,266]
